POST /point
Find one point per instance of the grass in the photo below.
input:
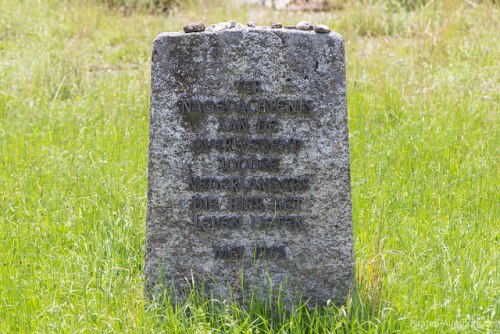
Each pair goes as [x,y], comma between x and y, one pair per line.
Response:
[423,96]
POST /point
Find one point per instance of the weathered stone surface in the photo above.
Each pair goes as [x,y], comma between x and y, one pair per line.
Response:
[248,182]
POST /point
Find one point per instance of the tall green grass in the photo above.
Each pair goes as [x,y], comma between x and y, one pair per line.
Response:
[423,97]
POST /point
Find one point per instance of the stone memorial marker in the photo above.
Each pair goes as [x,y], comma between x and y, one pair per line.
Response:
[249,185]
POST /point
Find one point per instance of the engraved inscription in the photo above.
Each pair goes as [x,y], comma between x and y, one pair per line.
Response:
[264,154]
[266,124]
[234,125]
[235,184]
[250,164]
[199,203]
[241,106]
[248,145]
[242,125]
[272,252]
[279,221]
[242,203]
[208,223]
[248,86]
[291,203]
[229,252]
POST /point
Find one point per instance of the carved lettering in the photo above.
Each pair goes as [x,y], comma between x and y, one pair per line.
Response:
[293,222]
[257,148]
[227,252]
[208,223]
[248,86]
[211,183]
[251,164]
[242,203]
[241,106]
[286,203]
[270,252]
[199,203]
[265,124]
[235,184]
[234,125]
[244,145]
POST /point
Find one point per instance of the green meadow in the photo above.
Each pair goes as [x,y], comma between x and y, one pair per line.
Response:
[423,83]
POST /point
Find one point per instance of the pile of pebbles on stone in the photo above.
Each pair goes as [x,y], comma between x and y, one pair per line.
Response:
[302,25]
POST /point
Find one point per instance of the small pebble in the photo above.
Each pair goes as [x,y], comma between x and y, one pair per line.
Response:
[251,24]
[239,26]
[221,26]
[303,25]
[210,28]
[321,29]
[290,27]
[276,25]
[232,24]
[194,27]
